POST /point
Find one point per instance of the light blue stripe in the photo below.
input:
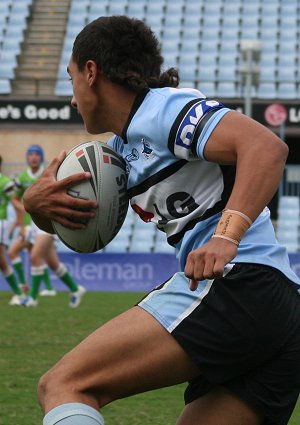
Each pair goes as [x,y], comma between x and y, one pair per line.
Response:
[172,303]
[208,129]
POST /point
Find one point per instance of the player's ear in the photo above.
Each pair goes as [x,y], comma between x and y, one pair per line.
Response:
[92,72]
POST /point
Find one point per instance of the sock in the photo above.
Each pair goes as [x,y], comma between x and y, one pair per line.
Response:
[46,279]
[12,281]
[37,274]
[19,269]
[73,414]
[64,275]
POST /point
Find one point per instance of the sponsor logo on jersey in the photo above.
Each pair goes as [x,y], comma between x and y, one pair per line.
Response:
[189,123]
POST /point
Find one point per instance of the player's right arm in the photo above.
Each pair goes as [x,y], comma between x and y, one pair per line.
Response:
[47,199]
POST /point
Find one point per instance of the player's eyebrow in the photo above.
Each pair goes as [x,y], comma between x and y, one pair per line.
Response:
[68,70]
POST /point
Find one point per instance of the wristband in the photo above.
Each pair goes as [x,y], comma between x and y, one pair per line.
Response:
[232,226]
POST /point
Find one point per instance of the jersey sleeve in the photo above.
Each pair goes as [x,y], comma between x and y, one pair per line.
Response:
[9,188]
[18,187]
[193,126]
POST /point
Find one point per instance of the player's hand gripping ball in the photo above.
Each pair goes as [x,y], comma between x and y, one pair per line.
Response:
[108,186]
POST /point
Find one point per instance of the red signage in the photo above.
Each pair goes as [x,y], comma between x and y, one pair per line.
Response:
[276,114]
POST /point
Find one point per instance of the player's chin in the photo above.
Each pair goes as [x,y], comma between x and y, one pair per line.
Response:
[93,128]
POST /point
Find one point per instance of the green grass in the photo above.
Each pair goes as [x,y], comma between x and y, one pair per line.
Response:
[32,340]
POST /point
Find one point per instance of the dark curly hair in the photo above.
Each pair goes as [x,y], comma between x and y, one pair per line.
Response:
[126,50]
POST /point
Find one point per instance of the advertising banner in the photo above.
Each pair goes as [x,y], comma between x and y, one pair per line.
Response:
[121,272]
[118,272]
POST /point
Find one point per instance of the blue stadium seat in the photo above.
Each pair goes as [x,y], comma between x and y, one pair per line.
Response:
[5,86]
[287,90]
[117,7]
[97,9]
[268,73]
[226,89]
[141,245]
[267,91]
[208,88]
[161,245]
[63,88]
[287,73]
[227,73]
[136,9]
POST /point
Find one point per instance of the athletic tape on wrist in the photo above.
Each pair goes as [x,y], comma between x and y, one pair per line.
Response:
[232,226]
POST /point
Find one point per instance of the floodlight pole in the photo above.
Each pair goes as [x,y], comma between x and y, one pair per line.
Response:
[250,50]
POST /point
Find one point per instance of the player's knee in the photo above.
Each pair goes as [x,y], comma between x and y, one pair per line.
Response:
[42,389]
[67,383]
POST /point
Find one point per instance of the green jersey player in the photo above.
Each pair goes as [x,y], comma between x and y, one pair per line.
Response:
[6,191]
[41,245]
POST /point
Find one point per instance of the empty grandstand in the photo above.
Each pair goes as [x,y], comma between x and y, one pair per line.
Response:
[201,38]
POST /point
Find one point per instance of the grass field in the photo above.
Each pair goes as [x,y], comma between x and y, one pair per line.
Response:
[32,340]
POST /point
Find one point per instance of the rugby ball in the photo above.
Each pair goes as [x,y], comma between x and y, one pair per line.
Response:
[108,186]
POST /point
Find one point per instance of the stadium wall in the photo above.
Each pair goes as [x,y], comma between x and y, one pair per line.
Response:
[14,142]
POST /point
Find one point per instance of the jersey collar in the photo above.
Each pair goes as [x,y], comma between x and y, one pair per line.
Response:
[136,104]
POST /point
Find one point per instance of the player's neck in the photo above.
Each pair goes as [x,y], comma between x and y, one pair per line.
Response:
[119,105]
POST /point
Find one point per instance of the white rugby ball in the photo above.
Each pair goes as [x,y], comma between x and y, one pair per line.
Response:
[108,186]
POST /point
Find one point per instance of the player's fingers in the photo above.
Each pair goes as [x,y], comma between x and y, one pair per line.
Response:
[73,179]
[208,268]
[193,284]
[70,224]
[219,268]
[79,204]
[55,163]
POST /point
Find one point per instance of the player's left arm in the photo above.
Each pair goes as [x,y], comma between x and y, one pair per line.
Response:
[260,158]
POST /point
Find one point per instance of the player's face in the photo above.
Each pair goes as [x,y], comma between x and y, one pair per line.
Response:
[34,160]
[85,98]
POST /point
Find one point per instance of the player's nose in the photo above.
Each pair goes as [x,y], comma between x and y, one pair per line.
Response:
[73,102]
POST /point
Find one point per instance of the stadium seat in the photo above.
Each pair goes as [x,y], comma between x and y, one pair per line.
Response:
[63,88]
[286,73]
[139,244]
[227,73]
[5,86]
[267,91]
[7,70]
[117,7]
[268,73]
[137,9]
[287,90]
[226,89]
[208,88]
[161,245]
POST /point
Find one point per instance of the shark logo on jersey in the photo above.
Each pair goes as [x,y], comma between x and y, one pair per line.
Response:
[133,156]
[147,150]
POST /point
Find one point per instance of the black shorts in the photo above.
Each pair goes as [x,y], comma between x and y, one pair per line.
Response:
[245,336]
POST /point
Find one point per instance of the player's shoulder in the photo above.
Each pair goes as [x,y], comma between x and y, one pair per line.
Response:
[168,94]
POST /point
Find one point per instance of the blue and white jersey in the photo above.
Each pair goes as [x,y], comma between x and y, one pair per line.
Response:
[172,185]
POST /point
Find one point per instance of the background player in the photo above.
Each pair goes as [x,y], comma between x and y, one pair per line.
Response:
[6,191]
[39,244]
[35,161]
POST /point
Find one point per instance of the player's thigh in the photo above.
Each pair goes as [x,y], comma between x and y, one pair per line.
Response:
[219,407]
[3,262]
[51,257]
[17,246]
[130,354]
[41,246]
